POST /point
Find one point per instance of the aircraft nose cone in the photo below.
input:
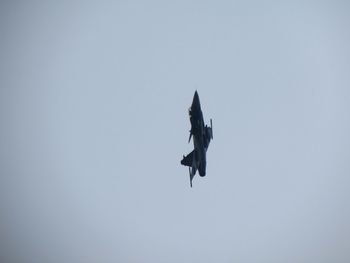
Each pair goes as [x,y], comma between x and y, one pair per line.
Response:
[196,103]
[195,97]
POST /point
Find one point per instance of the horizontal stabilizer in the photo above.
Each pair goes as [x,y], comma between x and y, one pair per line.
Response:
[188,159]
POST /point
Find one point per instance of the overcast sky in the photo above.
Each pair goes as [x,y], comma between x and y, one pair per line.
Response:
[94,123]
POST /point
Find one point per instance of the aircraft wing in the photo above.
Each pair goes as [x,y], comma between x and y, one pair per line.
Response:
[188,159]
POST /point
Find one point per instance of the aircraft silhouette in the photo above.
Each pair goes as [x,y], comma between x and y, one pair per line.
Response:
[202,134]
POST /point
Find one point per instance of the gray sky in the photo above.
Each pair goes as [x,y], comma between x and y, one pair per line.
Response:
[94,123]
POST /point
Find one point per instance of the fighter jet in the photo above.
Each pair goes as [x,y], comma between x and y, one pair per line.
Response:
[202,134]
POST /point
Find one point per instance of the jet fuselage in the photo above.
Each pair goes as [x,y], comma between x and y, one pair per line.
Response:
[202,135]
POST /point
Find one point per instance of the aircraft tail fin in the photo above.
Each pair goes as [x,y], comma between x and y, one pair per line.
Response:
[191,176]
[188,161]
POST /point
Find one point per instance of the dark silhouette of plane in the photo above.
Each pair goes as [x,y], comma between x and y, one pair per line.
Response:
[202,134]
